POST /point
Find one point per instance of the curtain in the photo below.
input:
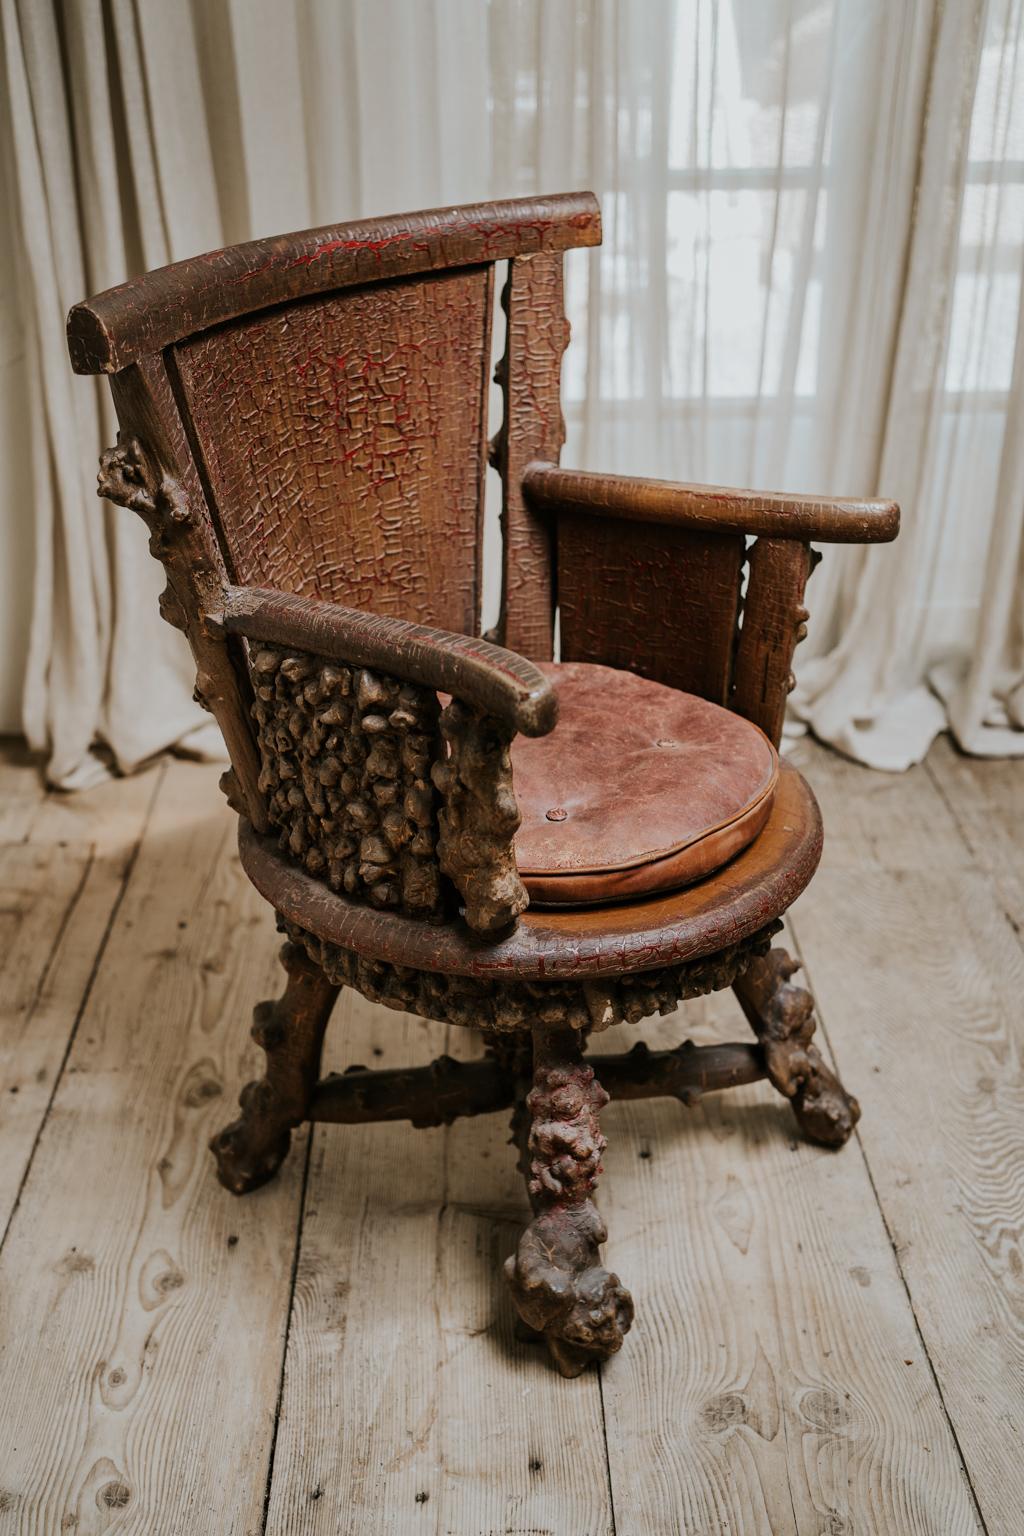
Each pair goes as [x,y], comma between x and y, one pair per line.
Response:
[814,226]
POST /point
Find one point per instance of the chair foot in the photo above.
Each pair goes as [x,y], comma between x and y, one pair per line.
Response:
[559,1288]
[290,1029]
[782,1017]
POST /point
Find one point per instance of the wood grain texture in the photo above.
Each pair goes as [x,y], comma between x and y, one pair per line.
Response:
[142,1311]
[530,373]
[148,313]
[774,621]
[61,881]
[343,444]
[408,1403]
[711,508]
[774,1381]
[932,1036]
[658,601]
[985,799]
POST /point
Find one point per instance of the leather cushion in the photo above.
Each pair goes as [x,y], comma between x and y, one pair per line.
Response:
[639,788]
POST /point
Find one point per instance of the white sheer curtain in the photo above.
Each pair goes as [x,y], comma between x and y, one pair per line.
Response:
[814,216]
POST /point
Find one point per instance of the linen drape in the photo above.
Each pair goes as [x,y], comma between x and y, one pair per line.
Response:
[814,224]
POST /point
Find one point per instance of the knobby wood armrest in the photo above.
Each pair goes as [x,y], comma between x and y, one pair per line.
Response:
[712,508]
[492,680]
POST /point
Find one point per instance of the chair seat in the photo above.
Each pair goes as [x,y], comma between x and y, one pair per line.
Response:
[639,788]
[574,943]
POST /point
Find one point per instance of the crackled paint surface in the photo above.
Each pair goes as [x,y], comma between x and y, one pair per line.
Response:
[343,443]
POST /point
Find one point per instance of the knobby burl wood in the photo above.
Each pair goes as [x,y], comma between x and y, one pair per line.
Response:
[560,1289]
[290,1030]
[782,1017]
[479,818]
[347,755]
[508,1008]
[303,429]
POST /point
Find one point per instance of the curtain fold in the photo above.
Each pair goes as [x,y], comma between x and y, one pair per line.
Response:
[814,226]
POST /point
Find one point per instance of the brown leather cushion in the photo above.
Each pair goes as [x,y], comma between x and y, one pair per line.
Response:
[638,788]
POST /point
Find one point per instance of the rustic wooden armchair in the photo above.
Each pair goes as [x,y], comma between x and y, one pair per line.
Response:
[303,428]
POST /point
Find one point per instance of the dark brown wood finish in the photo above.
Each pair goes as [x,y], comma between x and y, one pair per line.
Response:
[712,508]
[152,471]
[774,622]
[343,440]
[649,578]
[782,1017]
[290,1030]
[148,313]
[653,599]
[303,429]
[561,1291]
[530,375]
[448,1089]
[493,680]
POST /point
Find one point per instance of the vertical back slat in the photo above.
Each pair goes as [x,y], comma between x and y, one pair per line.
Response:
[530,375]
[774,619]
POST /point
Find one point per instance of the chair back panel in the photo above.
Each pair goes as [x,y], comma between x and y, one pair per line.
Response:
[342,440]
[659,601]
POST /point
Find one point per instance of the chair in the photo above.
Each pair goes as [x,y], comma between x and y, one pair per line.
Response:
[303,428]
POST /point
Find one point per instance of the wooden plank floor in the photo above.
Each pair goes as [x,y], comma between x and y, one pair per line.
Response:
[825,1344]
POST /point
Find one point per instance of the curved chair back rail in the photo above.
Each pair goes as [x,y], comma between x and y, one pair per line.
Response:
[148,313]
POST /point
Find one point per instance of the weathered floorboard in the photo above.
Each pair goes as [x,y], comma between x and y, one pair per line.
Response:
[919,978]
[986,802]
[63,864]
[141,1347]
[408,1405]
[774,1381]
[142,1309]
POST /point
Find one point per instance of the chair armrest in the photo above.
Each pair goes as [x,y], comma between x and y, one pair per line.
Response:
[714,509]
[370,783]
[490,679]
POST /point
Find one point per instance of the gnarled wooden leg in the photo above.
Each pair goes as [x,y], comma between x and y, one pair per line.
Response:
[782,1017]
[290,1029]
[558,1285]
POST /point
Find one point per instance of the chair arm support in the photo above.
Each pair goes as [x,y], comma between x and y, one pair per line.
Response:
[714,509]
[355,801]
[490,679]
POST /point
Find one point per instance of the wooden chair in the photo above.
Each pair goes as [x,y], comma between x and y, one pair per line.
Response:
[303,428]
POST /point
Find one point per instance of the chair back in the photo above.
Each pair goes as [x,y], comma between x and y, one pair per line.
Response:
[332,391]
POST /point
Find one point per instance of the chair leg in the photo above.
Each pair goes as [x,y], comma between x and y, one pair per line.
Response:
[558,1285]
[290,1029]
[782,1017]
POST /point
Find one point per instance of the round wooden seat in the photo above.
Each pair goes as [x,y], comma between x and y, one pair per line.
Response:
[639,788]
[548,945]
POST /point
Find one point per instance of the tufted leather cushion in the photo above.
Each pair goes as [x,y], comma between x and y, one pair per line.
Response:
[639,788]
